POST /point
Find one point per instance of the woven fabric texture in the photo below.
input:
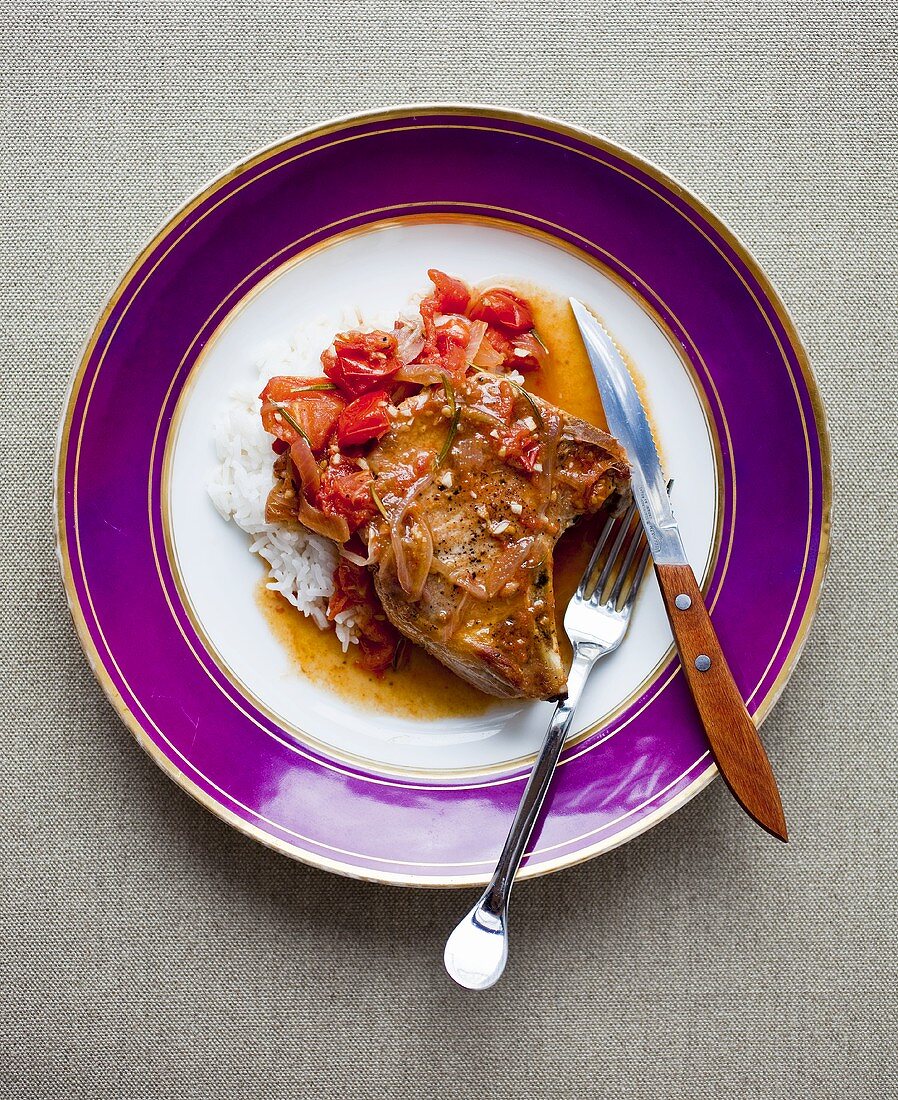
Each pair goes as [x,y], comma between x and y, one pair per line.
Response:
[146,949]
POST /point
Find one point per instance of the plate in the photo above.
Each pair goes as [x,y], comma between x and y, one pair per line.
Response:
[165,595]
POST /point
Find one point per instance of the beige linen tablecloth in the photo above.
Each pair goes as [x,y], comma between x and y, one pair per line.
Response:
[146,949]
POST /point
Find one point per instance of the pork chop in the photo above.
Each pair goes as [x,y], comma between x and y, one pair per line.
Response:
[475,483]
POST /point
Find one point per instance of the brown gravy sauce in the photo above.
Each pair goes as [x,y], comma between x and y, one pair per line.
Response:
[423,688]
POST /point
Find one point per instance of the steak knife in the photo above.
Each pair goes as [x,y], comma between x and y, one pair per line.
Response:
[735,744]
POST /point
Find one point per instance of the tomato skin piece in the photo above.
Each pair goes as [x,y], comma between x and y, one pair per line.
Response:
[453,331]
[378,638]
[364,420]
[351,587]
[509,347]
[528,353]
[455,361]
[315,411]
[452,295]
[501,344]
[522,447]
[361,361]
[345,490]
[378,641]
[445,343]
[451,339]
[503,308]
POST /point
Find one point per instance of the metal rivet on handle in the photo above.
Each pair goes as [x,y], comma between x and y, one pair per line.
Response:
[703,662]
[683,602]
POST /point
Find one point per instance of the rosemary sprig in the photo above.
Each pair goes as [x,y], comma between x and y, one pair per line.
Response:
[292,421]
[536,336]
[449,390]
[528,397]
[537,415]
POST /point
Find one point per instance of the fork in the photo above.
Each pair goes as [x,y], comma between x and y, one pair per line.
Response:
[476,952]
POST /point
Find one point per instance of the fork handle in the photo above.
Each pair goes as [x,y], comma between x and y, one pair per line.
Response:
[495,897]
[734,740]
[477,949]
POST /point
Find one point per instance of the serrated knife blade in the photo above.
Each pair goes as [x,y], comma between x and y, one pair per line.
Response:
[628,423]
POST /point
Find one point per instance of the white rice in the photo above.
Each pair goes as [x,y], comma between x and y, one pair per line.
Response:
[300,564]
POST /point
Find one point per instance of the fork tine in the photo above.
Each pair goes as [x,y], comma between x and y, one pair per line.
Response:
[637,579]
[637,539]
[612,555]
[600,543]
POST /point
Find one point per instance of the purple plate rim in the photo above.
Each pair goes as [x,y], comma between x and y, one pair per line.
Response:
[817,572]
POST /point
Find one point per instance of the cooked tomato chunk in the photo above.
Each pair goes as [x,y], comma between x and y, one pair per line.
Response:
[303,401]
[361,361]
[503,308]
[528,353]
[451,295]
[364,420]
[345,490]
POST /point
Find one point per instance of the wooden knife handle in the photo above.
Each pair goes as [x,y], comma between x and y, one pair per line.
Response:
[734,740]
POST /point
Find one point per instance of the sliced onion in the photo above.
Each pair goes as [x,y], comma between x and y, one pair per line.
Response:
[550,433]
[409,499]
[306,466]
[507,566]
[487,358]
[461,580]
[424,374]
[530,345]
[332,527]
[412,575]
[478,331]
[403,526]
[479,415]
[452,623]
[279,507]
[356,559]
[409,334]
[425,560]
